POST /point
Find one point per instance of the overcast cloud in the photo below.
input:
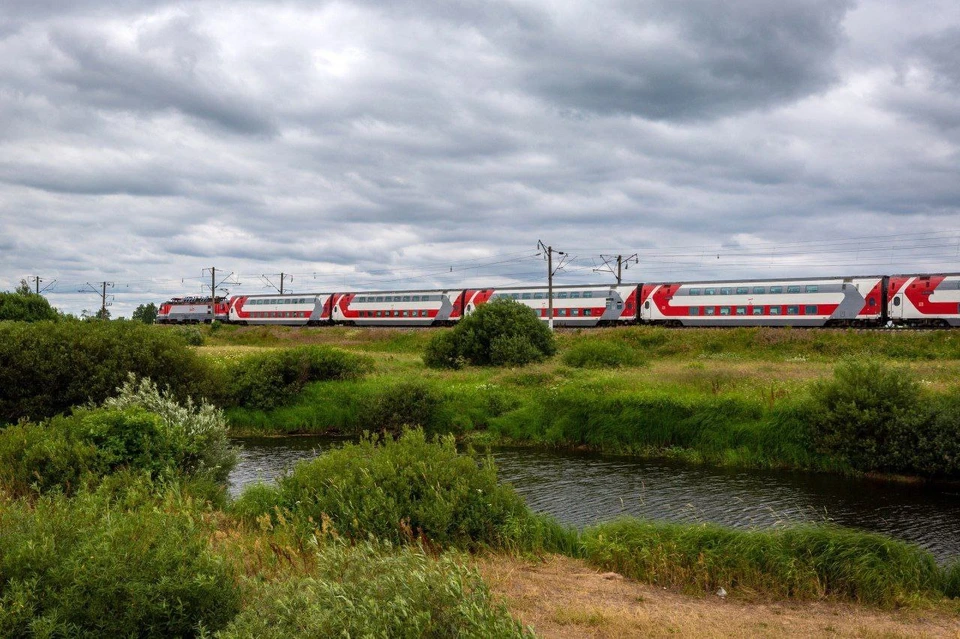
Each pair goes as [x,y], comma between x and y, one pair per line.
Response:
[364,145]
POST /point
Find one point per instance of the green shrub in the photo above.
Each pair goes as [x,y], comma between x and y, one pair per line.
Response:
[441,352]
[195,434]
[67,452]
[876,418]
[803,563]
[192,335]
[499,333]
[48,367]
[88,566]
[601,354]
[951,581]
[407,404]
[271,379]
[374,590]
[395,490]
[29,307]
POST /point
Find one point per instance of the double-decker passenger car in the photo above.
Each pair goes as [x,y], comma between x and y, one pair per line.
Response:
[287,310]
[924,300]
[587,305]
[401,308]
[840,301]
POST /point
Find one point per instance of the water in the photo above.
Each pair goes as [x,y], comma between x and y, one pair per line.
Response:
[584,488]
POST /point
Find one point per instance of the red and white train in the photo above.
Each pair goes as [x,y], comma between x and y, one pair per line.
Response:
[907,300]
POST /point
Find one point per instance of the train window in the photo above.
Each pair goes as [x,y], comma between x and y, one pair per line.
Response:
[405,314]
[563,295]
[742,290]
[538,296]
[378,313]
[406,298]
[776,290]
[758,310]
[416,298]
[793,289]
[587,294]
[809,310]
[396,298]
[575,295]
[526,296]
[724,310]
[514,296]
[726,291]
[710,310]
[812,288]
[896,301]
[562,312]
[741,310]
[586,312]
[423,313]
[646,304]
[694,291]
[709,291]
[694,310]
[379,299]
[774,310]
[759,290]
[793,310]
[574,312]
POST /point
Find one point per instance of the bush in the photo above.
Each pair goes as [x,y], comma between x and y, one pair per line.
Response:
[395,490]
[407,404]
[48,367]
[499,333]
[192,335]
[19,307]
[68,452]
[271,379]
[90,567]
[804,563]
[601,354]
[374,590]
[876,418]
[196,435]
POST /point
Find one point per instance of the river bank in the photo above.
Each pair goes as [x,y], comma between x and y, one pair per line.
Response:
[735,398]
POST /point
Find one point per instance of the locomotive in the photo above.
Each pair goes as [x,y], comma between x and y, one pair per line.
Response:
[920,300]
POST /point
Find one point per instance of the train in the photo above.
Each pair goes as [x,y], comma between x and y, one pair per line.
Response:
[917,300]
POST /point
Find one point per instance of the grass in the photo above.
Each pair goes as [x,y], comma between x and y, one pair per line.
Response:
[812,562]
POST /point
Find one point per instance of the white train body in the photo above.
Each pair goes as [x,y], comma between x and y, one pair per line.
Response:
[924,300]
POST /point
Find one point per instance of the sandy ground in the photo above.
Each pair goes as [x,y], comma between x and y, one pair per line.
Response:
[568,599]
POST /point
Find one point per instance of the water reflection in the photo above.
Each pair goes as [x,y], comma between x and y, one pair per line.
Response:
[584,488]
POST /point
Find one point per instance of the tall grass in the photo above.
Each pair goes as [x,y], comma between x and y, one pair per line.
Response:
[775,343]
[802,563]
[373,589]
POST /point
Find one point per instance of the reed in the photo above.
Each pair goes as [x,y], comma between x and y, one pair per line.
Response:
[810,562]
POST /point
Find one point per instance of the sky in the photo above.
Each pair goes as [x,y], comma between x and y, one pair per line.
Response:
[361,145]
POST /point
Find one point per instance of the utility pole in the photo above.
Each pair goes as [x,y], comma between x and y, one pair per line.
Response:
[38,279]
[103,296]
[550,272]
[283,276]
[608,266]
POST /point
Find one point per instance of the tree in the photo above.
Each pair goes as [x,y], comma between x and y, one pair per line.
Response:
[145,313]
[499,333]
[25,306]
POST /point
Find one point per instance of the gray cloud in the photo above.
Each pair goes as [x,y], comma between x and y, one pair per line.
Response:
[369,144]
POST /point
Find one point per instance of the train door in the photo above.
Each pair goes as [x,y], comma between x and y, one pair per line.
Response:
[896,307]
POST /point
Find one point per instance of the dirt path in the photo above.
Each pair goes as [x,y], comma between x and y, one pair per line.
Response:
[568,599]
